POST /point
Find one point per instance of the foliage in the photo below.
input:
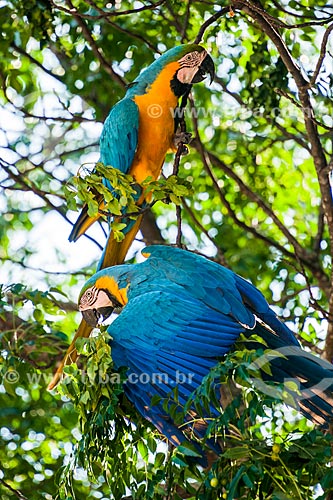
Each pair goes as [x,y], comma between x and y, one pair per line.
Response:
[125,194]
[254,194]
[272,459]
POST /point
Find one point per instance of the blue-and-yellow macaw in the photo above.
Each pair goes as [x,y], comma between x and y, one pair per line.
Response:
[136,137]
[180,313]
[140,130]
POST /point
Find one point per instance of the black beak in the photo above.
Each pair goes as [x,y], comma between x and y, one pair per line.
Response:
[206,67]
[95,316]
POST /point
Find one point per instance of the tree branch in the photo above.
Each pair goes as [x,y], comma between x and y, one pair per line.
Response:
[321,55]
[317,151]
[150,231]
[211,20]
[103,13]
[269,119]
[96,50]
[309,258]
[34,61]
[220,256]
[30,186]
[186,21]
[308,114]
[17,493]
[206,158]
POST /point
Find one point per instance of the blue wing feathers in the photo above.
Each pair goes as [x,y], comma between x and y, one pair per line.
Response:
[119,137]
[185,312]
[256,301]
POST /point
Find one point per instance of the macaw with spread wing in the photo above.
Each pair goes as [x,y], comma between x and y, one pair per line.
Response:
[136,137]
[179,315]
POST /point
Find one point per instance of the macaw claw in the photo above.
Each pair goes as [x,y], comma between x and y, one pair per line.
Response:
[182,138]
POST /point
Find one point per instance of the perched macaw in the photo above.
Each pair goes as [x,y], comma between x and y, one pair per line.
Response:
[136,137]
[179,315]
[140,130]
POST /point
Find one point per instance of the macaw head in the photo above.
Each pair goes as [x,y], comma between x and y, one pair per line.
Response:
[194,64]
[190,64]
[99,297]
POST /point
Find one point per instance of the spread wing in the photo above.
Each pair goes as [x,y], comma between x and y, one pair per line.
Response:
[219,287]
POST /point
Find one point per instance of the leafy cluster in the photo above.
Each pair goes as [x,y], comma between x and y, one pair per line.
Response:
[274,458]
[125,199]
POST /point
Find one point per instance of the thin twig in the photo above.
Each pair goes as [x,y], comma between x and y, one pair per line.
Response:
[321,55]
[134,35]
[300,107]
[179,226]
[70,119]
[175,16]
[281,24]
[186,21]
[296,14]
[270,119]
[220,255]
[207,165]
[180,151]
[211,20]
[35,61]
[102,13]
[13,490]
[250,194]
[96,50]
[30,186]
[45,271]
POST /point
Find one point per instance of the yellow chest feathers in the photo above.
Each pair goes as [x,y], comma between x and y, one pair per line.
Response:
[156,125]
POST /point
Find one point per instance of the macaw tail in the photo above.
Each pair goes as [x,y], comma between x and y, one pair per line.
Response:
[307,380]
[83,222]
[114,252]
[71,355]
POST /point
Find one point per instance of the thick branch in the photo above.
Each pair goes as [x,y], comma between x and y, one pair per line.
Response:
[304,97]
[150,231]
[317,151]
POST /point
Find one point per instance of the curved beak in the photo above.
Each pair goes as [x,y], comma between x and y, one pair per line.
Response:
[94,317]
[206,67]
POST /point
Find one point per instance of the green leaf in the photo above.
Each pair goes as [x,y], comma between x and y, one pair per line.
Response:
[187,450]
[143,450]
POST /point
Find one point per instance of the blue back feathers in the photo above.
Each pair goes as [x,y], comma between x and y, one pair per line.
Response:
[184,313]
